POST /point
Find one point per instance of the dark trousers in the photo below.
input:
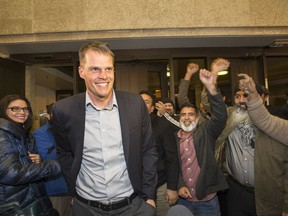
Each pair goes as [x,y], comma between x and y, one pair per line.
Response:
[240,202]
[137,207]
[62,204]
[222,198]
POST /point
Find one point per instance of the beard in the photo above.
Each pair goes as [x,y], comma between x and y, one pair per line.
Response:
[242,106]
[240,115]
[190,127]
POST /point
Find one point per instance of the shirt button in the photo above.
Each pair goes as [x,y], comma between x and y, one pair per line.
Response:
[245,159]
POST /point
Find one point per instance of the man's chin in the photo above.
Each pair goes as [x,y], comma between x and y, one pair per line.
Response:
[188,127]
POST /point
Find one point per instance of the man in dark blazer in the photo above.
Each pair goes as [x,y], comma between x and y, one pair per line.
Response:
[105,143]
[168,163]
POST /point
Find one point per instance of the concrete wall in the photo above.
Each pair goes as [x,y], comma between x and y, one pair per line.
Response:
[50,20]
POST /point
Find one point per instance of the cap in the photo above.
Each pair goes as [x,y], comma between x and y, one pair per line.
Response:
[168,100]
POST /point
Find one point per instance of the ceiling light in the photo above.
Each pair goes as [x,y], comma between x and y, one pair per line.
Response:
[221,73]
[279,43]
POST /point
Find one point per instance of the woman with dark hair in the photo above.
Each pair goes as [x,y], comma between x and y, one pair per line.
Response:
[21,188]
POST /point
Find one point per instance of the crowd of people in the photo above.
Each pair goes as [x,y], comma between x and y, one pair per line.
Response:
[109,152]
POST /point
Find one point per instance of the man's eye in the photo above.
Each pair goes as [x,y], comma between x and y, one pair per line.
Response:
[109,69]
[95,69]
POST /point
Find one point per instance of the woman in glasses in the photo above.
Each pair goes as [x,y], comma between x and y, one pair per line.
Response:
[21,186]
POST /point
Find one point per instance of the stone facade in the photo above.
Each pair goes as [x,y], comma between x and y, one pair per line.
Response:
[62,20]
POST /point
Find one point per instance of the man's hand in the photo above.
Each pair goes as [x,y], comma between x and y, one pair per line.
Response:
[171,196]
[248,85]
[284,214]
[184,192]
[151,202]
[35,158]
[209,80]
[160,106]
[191,69]
[219,64]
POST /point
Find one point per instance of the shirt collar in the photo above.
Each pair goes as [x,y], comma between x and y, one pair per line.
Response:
[109,107]
[181,135]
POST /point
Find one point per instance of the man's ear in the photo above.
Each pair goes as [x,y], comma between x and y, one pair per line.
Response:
[81,72]
[197,117]
[153,108]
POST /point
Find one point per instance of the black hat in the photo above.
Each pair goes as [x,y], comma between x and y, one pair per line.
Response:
[168,100]
[149,93]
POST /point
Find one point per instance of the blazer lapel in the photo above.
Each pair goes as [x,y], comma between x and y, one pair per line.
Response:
[122,103]
[80,122]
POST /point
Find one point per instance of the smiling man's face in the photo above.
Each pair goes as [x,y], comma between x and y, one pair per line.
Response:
[98,73]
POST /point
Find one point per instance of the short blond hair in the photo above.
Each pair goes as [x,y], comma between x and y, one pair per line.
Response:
[96,46]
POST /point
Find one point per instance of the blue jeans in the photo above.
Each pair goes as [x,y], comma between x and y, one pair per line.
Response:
[202,208]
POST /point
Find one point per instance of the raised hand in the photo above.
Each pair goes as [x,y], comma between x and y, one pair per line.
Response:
[219,64]
[160,106]
[209,80]
[191,69]
[248,85]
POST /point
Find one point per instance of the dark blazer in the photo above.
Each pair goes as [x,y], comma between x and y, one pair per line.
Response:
[138,140]
[168,163]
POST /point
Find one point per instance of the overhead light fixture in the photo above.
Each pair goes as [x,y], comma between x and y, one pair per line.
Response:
[168,70]
[221,73]
[279,43]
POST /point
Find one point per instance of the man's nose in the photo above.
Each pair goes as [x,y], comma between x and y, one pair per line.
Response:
[242,99]
[103,73]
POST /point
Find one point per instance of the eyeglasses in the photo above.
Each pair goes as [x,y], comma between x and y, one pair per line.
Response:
[18,109]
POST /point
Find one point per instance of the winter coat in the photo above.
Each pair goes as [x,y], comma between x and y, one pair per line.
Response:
[20,179]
